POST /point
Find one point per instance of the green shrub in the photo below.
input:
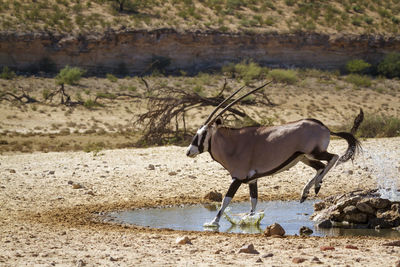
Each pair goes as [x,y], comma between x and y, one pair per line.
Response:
[106,95]
[111,78]
[379,126]
[249,71]
[69,75]
[357,66]
[390,66]
[7,74]
[90,104]
[284,76]
[359,80]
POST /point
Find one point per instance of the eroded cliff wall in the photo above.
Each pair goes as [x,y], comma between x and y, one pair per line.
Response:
[191,51]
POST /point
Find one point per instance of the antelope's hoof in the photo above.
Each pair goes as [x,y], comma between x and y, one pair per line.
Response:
[317,188]
[303,198]
[212,224]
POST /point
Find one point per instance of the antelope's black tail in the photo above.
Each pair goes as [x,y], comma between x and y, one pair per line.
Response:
[354,145]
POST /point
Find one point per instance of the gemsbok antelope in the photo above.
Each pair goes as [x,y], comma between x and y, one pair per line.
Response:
[252,152]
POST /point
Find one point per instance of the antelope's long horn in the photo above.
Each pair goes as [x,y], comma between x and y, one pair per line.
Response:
[223,102]
[237,100]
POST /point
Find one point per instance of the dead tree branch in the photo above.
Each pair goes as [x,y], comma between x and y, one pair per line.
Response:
[168,106]
[23,98]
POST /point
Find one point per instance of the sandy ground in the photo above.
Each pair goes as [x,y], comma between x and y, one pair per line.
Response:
[46,222]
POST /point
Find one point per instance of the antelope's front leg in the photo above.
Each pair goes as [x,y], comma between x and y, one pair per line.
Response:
[225,202]
[253,196]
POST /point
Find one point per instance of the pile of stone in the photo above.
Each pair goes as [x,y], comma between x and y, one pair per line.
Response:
[359,209]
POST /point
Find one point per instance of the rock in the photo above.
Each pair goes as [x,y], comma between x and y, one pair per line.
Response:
[218,251]
[213,196]
[269,255]
[325,224]
[304,230]
[298,260]
[76,186]
[379,203]
[319,206]
[336,216]
[364,207]
[172,173]
[248,249]
[113,259]
[183,240]
[90,192]
[259,260]
[393,244]
[274,229]
[391,217]
[350,210]
[326,248]
[395,207]
[356,218]
[51,172]
[80,263]
[151,167]
[351,247]
[378,223]
[316,260]
[12,171]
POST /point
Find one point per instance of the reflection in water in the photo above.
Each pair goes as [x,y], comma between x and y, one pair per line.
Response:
[360,232]
[245,229]
[291,215]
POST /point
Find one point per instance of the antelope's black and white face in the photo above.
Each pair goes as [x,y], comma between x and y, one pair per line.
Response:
[199,143]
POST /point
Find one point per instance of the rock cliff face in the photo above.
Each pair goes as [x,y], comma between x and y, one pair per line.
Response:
[134,51]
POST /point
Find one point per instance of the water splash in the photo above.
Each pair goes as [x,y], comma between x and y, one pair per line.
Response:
[244,219]
[385,168]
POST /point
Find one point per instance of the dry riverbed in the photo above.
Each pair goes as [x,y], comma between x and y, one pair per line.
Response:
[49,204]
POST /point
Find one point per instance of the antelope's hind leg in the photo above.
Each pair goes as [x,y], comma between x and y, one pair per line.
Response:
[225,202]
[331,159]
[319,167]
[253,196]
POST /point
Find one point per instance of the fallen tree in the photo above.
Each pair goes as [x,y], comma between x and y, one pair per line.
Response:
[167,108]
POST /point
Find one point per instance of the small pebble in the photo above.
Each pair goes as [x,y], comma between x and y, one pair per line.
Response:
[325,248]
[298,260]
[183,240]
[151,167]
[351,247]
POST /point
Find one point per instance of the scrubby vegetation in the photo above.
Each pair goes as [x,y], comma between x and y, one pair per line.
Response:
[296,93]
[390,66]
[352,16]
[378,126]
[357,66]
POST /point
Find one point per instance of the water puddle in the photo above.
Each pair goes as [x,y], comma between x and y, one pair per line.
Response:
[291,215]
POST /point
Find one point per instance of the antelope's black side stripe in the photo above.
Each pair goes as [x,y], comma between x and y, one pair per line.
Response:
[201,145]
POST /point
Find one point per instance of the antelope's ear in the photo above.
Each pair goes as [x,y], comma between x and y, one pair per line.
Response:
[218,121]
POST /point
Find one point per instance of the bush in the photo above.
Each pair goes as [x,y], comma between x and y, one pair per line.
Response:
[249,71]
[379,126]
[69,75]
[111,78]
[359,80]
[284,76]
[357,66]
[7,74]
[390,66]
